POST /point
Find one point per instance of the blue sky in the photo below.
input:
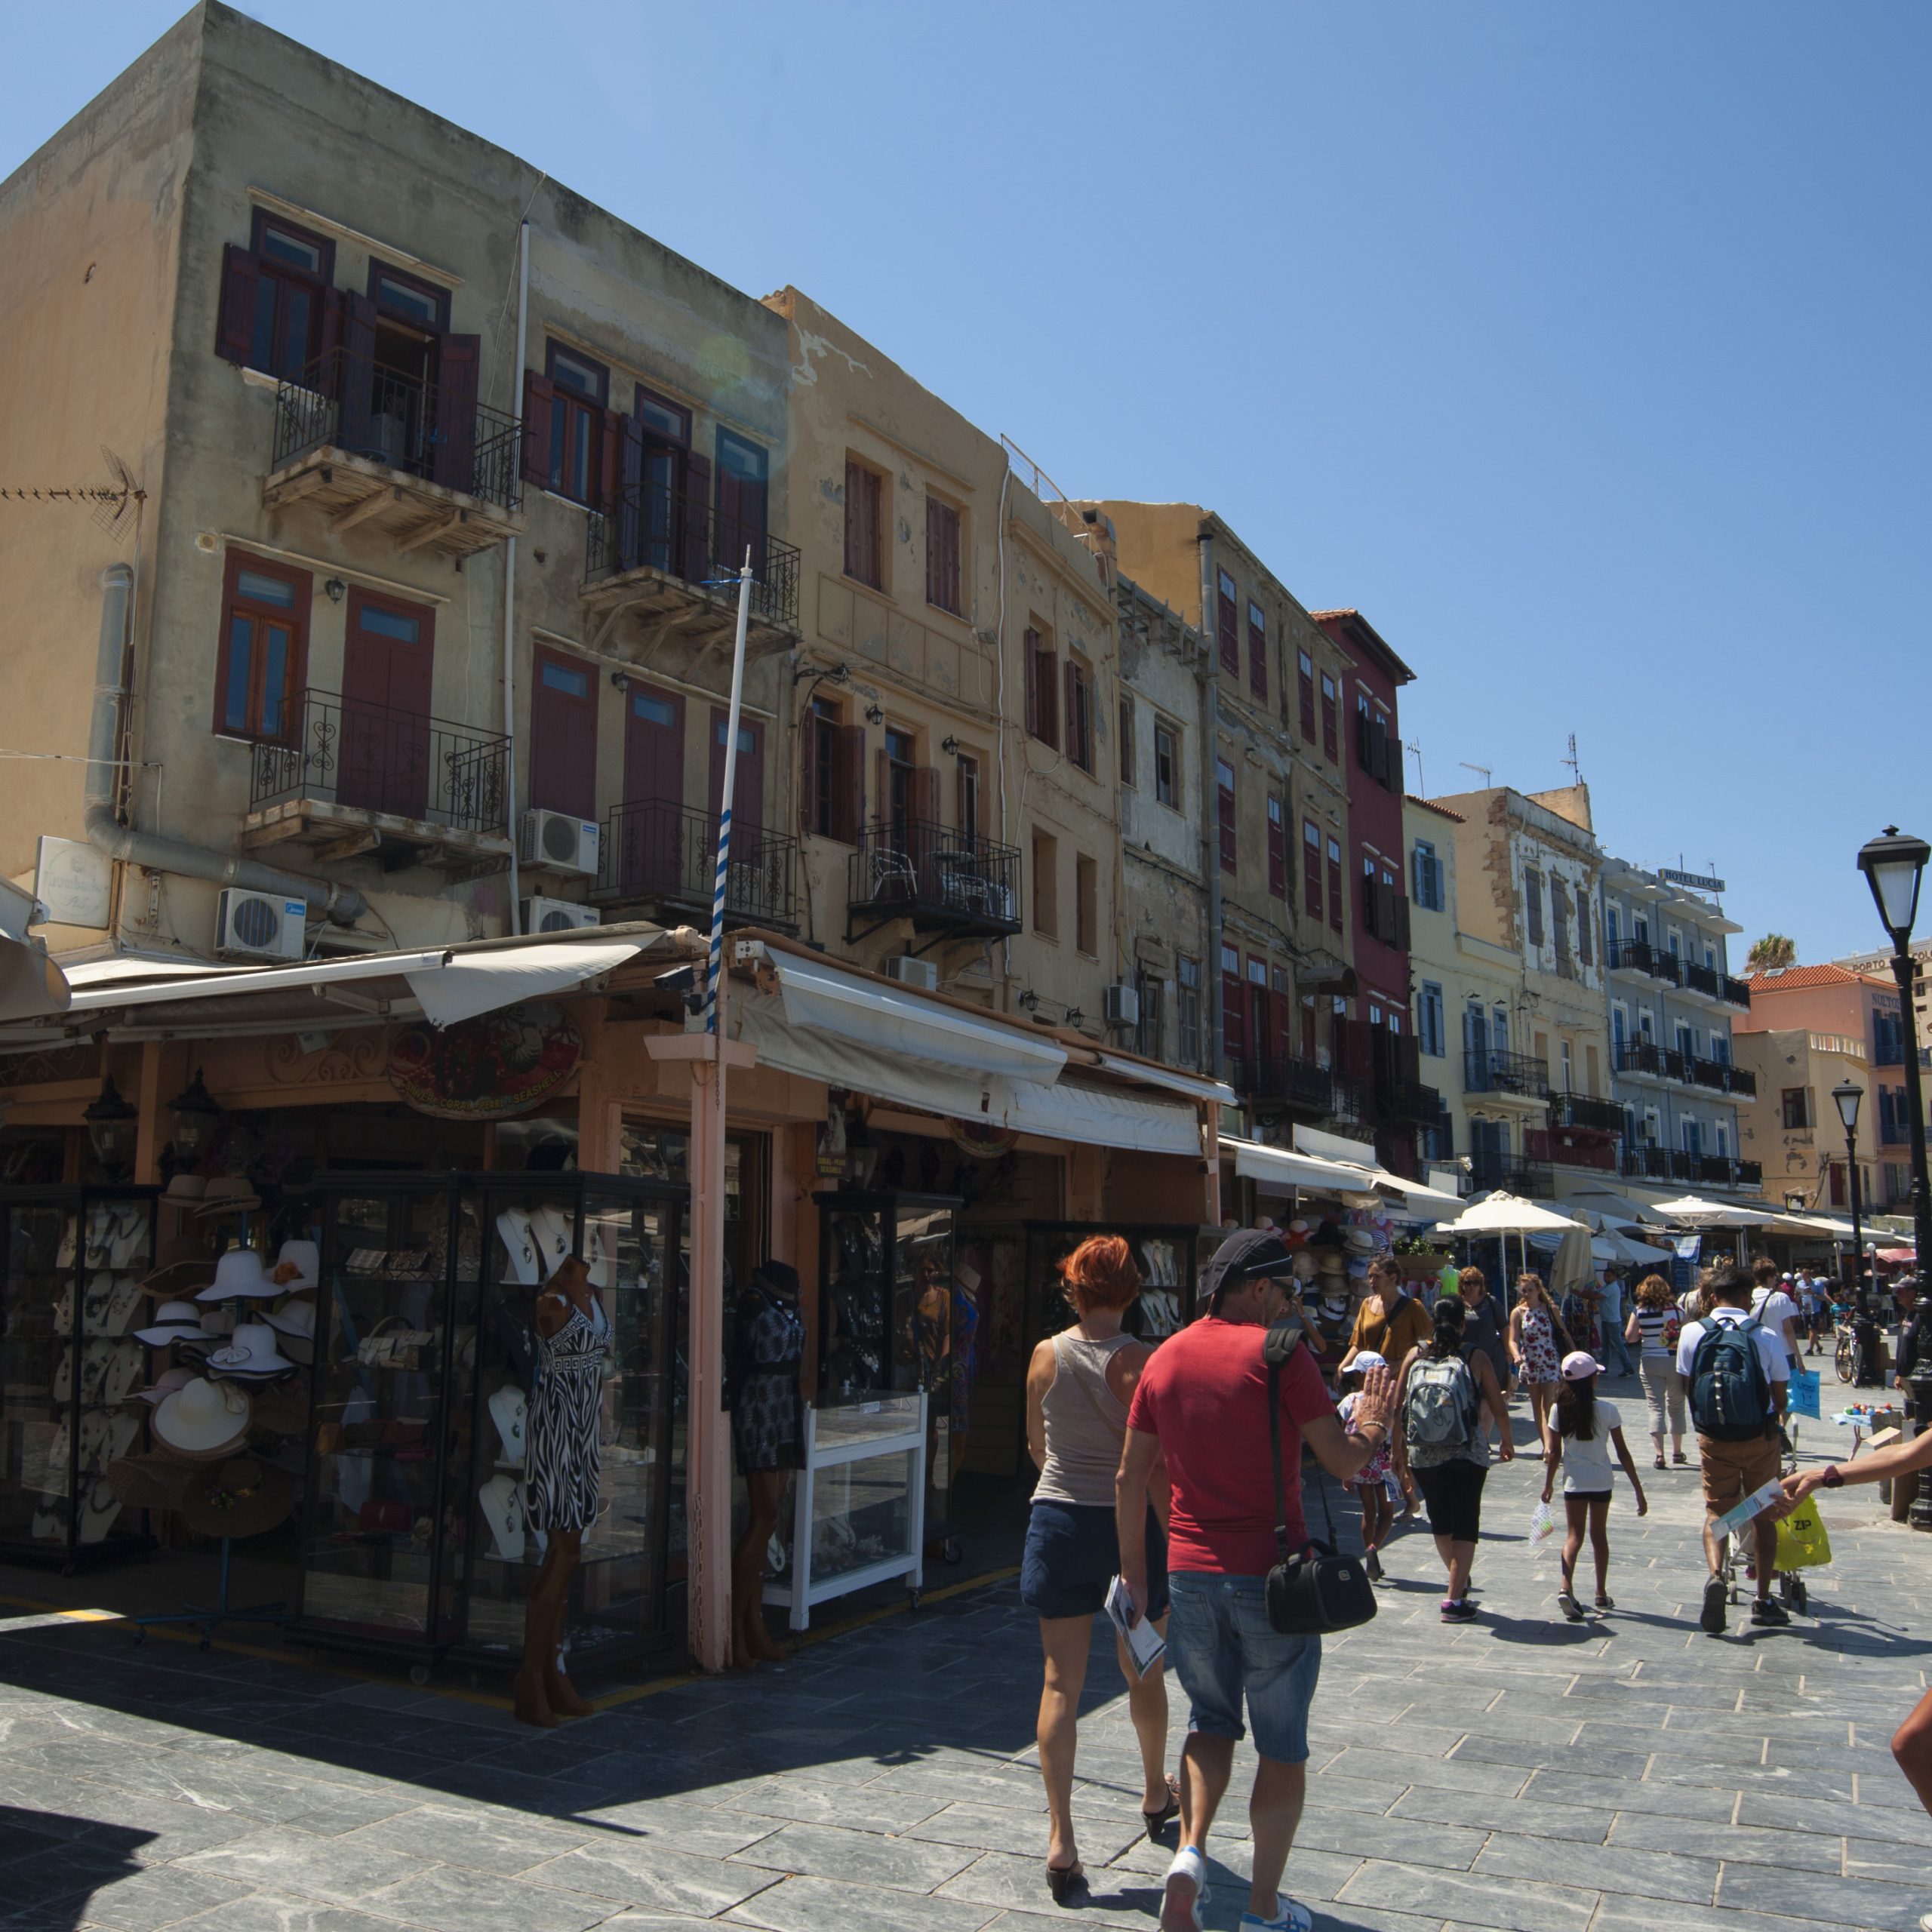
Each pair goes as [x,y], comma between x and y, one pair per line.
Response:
[1582,348]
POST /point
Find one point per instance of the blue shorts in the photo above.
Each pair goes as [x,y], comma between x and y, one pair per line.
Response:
[1222,1647]
[1073,1553]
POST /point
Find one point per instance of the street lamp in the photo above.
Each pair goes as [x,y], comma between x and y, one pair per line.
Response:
[195,1113]
[1894,864]
[1846,1096]
[111,1125]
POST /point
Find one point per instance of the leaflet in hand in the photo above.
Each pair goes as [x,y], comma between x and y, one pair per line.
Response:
[1145,1644]
[1759,1500]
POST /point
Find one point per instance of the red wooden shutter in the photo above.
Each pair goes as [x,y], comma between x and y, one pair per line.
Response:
[628,551]
[935,560]
[1228,620]
[1031,653]
[1305,693]
[697,520]
[1257,657]
[1311,871]
[1278,850]
[847,746]
[1234,1015]
[234,314]
[854,475]
[458,359]
[538,393]
[356,403]
[1335,890]
[1049,720]
[334,322]
[610,459]
[1225,803]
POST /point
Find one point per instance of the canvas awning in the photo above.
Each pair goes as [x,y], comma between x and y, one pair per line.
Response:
[1196,1086]
[31,985]
[1279,1170]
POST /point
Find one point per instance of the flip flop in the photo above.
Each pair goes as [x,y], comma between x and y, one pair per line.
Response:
[1157,1821]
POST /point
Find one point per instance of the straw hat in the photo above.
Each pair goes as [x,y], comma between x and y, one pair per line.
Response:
[239,1276]
[204,1421]
[173,1321]
[165,1383]
[186,1190]
[251,1355]
[294,1320]
[153,1480]
[228,1194]
[298,1266]
[184,1254]
[240,1496]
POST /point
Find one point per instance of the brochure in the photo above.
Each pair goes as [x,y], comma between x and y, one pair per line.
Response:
[1145,1644]
[1758,1500]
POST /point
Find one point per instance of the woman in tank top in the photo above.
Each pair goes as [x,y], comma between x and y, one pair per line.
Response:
[1078,1385]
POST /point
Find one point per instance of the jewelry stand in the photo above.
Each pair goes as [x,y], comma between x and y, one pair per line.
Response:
[210,1616]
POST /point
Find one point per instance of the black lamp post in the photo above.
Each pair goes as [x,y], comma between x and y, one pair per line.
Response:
[1894,864]
[111,1123]
[195,1113]
[1846,1096]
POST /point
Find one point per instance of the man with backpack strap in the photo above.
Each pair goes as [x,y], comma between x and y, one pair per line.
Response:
[1736,1371]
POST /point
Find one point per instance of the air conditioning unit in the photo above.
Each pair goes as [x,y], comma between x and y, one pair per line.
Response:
[1121,1006]
[259,925]
[556,915]
[559,843]
[911,972]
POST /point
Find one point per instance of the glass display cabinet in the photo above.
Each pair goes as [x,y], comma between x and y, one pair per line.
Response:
[71,1369]
[886,1286]
[415,1538]
[1169,1259]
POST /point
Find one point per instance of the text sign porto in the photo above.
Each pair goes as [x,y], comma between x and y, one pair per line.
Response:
[1698,882]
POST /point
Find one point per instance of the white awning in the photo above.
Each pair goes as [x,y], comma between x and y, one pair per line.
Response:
[31,985]
[1278,1170]
[1196,1086]
[463,984]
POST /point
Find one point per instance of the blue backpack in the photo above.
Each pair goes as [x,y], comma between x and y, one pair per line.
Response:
[1730,1394]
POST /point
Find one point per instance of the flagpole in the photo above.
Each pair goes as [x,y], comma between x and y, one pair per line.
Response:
[723,872]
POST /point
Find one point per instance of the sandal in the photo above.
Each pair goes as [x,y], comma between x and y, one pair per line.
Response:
[1066,1882]
[1156,1821]
[1679,1459]
[1660,1462]
[1605,1601]
[1570,1607]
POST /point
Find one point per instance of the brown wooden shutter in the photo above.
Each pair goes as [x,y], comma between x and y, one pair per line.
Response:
[847,747]
[354,406]
[234,314]
[458,359]
[697,521]
[855,513]
[881,787]
[1070,683]
[628,513]
[329,335]
[539,394]
[1050,719]
[609,458]
[1031,653]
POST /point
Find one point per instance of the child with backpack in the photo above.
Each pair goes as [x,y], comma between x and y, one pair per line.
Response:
[1588,1428]
[1736,1372]
[1371,1480]
[1442,1388]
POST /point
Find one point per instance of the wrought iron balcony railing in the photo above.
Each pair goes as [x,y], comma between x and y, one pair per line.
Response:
[656,850]
[1282,1080]
[1580,1110]
[1637,955]
[1526,1178]
[1653,1163]
[651,526]
[935,876]
[1491,1070]
[1641,1056]
[1734,992]
[437,431]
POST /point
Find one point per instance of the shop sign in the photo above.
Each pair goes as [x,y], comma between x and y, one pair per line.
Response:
[493,1067]
[982,1140]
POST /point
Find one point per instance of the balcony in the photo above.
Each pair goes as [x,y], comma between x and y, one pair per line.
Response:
[345,777]
[1704,981]
[1488,1172]
[1514,1076]
[1571,1147]
[1643,1059]
[1725,1170]
[1278,1080]
[1641,960]
[427,463]
[1654,1163]
[671,561]
[665,856]
[945,882]
[1734,992]
[1580,1110]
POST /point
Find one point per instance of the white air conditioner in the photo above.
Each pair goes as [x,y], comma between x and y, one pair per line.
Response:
[259,925]
[559,843]
[911,972]
[556,915]
[1121,1006]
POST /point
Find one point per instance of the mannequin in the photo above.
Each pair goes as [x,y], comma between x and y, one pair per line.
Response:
[767,1348]
[561,1452]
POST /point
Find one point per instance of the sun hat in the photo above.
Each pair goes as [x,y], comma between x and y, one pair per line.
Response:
[185,1188]
[228,1194]
[294,1320]
[1579,1365]
[1366,1360]
[305,1258]
[250,1355]
[1250,1254]
[239,1497]
[204,1421]
[182,1255]
[173,1321]
[165,1384]
[239,1275]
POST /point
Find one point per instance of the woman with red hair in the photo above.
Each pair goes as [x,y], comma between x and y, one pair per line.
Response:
[1078,1385]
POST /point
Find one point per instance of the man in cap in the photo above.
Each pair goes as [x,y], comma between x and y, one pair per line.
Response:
[1202,1405]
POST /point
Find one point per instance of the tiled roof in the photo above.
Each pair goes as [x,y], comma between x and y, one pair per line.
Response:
[1430,805]
[1799,979]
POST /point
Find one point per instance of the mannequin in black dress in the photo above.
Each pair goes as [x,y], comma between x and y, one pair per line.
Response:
[768,1349]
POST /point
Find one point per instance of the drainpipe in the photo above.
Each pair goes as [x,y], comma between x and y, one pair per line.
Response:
[1211,800]
[343,904]
[509,580]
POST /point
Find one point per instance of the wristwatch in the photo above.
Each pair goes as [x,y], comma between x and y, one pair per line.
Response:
[1834,1477]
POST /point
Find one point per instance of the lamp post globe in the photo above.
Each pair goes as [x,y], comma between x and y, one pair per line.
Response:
[1846,1096]
[1894,864]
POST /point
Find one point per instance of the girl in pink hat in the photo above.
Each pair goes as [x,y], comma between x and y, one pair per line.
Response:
[1583,1430]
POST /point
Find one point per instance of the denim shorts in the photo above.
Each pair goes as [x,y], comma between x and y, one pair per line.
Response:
[1223,1647]
[1073,1554]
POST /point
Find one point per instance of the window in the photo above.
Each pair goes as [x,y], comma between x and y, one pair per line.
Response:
[1568,1059]
[744,492]
[944,584]
[563,732]
[1311,868]
[1167,762]
[865,529]
[1086,906]
[1427,886]
[1335,884]
[410,300]
[1278,846]
[1431,1034]
[1046,900]
[582,389]
[834,804]
[1224,781]
[1586,919]
[1227,617]
[1840,1198]
[1234,1005]
[274,295]
[1149,1029]
[968,788]
[1257,651]
[1079,713]
[1042,690]
[264,648]
[1187,1010]
[1331,726]
[900,807]
[1532,904]
[1559,923]
[1304,693]
[1127,744]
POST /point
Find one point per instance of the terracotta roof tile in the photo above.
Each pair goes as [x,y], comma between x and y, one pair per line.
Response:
[1430,805]
[1799,979]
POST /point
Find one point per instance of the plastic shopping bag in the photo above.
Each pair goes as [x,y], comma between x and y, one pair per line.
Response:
[1543,1525]
[1802,1542]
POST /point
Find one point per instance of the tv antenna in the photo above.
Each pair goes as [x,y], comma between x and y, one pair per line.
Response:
[1415,750]
[1488,777]
[116,505]
[1576,771]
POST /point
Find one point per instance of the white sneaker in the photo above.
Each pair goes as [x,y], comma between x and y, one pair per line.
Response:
[1185,1893]
[1290,1917]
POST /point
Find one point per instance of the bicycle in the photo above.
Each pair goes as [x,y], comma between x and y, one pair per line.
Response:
[1845,1356]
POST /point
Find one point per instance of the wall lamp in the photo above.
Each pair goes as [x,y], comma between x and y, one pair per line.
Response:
[1029,999]
[620,680]
[874,714]
[949,745]
[335,589]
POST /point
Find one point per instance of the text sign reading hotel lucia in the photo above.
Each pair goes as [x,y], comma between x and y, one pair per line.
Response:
[1698,882]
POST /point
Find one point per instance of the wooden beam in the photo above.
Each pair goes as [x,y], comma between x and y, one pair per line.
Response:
[360,838]
[364,508]
[426,532]
[297,487]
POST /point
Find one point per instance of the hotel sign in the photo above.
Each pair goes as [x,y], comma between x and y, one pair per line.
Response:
[1699,882]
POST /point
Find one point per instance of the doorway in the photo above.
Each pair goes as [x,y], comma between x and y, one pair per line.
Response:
[652,817]
[388,662]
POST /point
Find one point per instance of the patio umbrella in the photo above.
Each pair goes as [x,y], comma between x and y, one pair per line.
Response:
[1574,1267]
[1503,1215]
[1692,1210]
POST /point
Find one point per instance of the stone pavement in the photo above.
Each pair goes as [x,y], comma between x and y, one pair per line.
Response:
[1520,1772]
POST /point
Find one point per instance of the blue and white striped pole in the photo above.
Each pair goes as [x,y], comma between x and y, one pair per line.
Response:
[724,873]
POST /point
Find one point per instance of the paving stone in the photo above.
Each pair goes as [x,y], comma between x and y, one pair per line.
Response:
[813,1904]
[457,1898]
[1872,1906]
[484,1841]
[639,1872]
[293,1861]
[1620,1868]
[1858,1821]
[1485,1811]
[157,1895]
[1513,1904]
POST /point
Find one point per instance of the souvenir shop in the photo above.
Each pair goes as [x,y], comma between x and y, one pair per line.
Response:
[270,1266]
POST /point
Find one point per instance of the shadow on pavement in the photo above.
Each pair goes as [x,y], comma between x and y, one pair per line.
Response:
[53,1864]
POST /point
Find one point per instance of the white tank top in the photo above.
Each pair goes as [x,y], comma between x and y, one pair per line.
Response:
[1086,1423]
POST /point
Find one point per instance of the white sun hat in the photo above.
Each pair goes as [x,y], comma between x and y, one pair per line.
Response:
[251,1355]
[173,1321]
[204,1421]
[238,1275]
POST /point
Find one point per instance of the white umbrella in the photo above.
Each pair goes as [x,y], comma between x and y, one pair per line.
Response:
[1691,1211]
[1574,1266]
[1504,1214]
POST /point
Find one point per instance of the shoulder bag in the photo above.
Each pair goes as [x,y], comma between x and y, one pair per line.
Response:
[1312,1590]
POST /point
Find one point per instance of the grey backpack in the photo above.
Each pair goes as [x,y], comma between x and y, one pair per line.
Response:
[1439,1404]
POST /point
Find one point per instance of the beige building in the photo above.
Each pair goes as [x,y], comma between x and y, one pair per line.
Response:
[1792,1128]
